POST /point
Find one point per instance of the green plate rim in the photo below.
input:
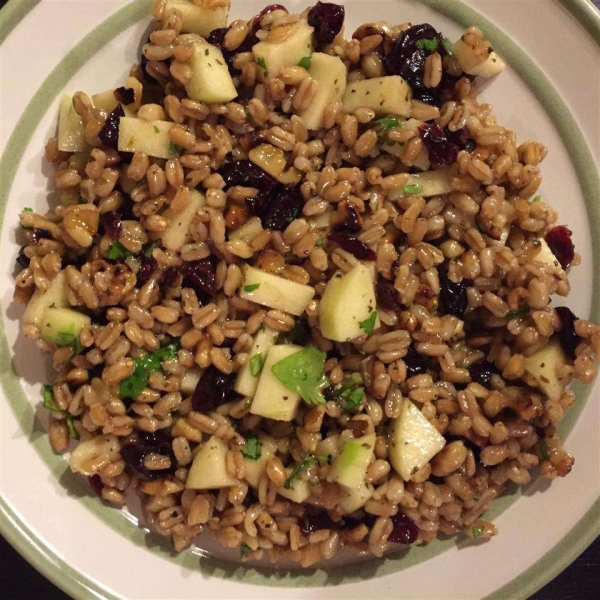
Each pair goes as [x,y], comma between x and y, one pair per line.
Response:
[79,585]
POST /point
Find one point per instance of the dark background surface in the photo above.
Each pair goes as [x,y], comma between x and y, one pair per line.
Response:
[581,581]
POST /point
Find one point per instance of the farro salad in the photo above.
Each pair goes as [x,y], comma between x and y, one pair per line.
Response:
[300,290]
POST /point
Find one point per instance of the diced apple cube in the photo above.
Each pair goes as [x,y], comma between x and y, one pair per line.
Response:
[151,137]
[331,74]
[211,81]
[472,63]
[55,296]
[546,256]
[178,233]
[71,131]
[384,95]
[348,301]
[248,231]
[413,441]
[253,469]
[353,499]
[430,183]
[542,366]
[209,469]
[197,18]
[272,399]
[246,383]
[62,326]
[275,292]
[350,467]
[274,56]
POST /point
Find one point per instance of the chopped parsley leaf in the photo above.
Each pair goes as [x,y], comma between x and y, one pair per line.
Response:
[522,311]
[49,402]
[245,549]
[538,198]
[429,44]
[320,241]
[299,332]
[156,129]
[116,251]
[351,393]
[69,339]
[262,63]
[257,363]
[251,288]
[71,427]
[28,209]
[251,448]
[477,531]
[384,126]
[304,373]
[144,365]
[304,63]
[149,250]
[412,188]
[308,461]
[544,449]
[368,325]
[174,148]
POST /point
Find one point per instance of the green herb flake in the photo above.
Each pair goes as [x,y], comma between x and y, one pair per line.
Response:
[81,200]
[174,148]
[144,365]
[49,402]
[149,250]
[247,404]
[304,63]
[251,448]
[71,427]
[299,333]
[538,198]
[257,363]
[156,129]
[522,311]
[544,449]
[320,241]
[262,63]
[429,44]
[252,287]
[69,339]
[448,46]
[412,188]
[477,531]
[315,482]
[307,462]
[245,549]
[304,373]
[28,209]
[116,251]
[26,227]
[475,498]
[368,325]
[351,393]
[384,126]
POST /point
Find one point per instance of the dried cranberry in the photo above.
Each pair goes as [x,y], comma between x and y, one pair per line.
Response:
[246,173]
[347,218]
[147,267]
[407,58]
[201,276]
[38,234]
[569,340]
[482,371]
[284,204]
[440,150]
[404,530]
[453,297]
[22,259]
[213,390]
[125,95]
[387,296]
[96,484]
[461,138]
[311,523]
[109,134]
[560,242]
[148,443]
[353,245]
[112,222]
[416,364]
[171,277]
[327,19]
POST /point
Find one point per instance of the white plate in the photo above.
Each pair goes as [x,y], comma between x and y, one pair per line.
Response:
[92,551]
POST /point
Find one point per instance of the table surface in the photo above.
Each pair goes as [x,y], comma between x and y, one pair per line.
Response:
[581,581]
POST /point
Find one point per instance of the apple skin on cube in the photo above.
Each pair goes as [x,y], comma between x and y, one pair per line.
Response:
[71,131]
[55,296]
[255,468]
[272,399]
[347,301]
[196,18]
[139,135]
[331,74]
[389,95]
[277,55]
[178,233]
[275,292]
[350,467]
[542,367]
[209,469]
[59,324]
[432,183]
[211,81]
[246,383]
[413,441]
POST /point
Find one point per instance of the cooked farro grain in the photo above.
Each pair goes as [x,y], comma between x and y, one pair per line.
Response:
[170,284]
